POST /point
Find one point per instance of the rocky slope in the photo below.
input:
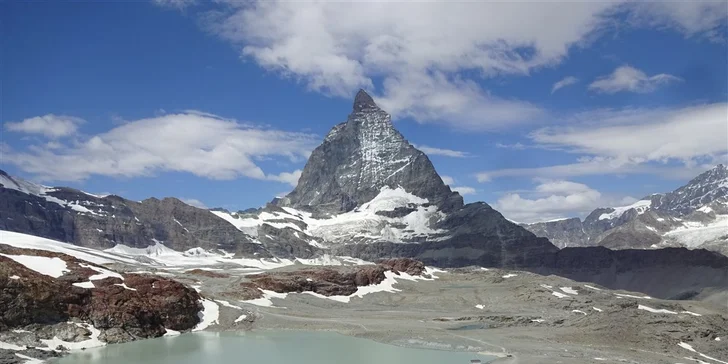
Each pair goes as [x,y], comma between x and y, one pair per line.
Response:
[43,294]
[693,216]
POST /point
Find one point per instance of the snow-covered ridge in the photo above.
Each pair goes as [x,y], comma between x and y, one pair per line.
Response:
[365,221]
[640,207]
[42,191]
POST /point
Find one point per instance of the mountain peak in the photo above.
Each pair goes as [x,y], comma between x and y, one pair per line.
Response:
[363,101]
[359,158]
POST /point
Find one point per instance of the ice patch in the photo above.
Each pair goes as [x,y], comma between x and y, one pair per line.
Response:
[170,332]
[85,285]
[633,296]
[208,316]
[8,346]
[655,310]
[52,267]
[640,206]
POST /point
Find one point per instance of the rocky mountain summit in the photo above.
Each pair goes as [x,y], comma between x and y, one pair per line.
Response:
[693,216]
[361,156]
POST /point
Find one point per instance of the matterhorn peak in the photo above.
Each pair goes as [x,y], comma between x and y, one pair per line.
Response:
[362,101]
[359,158]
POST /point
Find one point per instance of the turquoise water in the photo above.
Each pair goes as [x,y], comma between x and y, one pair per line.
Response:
[265,347]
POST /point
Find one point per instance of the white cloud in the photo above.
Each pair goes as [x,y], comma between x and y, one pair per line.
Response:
[634,141]
[448,180]
[464,190]
[428,55]
[204,145]
[175,4]
[566,81]
[194,202]
[692,18]
[442,152]
[627,78]
[287,177]
[52,126]
[554,199]
[419,50]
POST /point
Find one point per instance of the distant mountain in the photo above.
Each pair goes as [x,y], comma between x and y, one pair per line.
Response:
[693,216]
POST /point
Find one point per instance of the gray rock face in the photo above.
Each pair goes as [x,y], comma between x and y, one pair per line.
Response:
[73,216]
[649,223]
[359,157]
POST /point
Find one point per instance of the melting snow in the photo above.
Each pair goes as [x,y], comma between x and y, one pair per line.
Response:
[640,206]
[208,316]
[632,296]
[170,332]
[53,267]
[655,310]
[8,346]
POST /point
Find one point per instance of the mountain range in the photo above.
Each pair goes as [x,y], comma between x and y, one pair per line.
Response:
[367,193]
[693,216]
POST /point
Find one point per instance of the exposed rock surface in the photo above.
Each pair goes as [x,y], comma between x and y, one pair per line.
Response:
[137,306]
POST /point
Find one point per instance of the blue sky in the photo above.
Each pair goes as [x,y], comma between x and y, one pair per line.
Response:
[221,103]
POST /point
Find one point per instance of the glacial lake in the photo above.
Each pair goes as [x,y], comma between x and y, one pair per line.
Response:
[270,347]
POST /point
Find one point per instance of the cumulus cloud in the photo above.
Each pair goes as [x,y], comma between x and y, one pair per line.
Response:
[464,190]
[194,202]
[426,57]
[202,144]
[554,199]
[51,126]
[566,81]
[287,177]
[627,78]
[634,141]
[442,152]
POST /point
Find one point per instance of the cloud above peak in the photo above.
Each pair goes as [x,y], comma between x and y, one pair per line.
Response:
[628,78]
[201,144]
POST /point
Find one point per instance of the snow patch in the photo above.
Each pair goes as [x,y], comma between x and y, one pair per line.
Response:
[52,267]
[265,301]
[655,310]
[632,296]
[579,311]
[480,307]
[560,295]
[228,304]
[510,275]
[241,318]
[208,316]
[85,285]
[569,290]
[592,287]
[170,332]
[14,277]
[8,346]
[640,206]
[597,309]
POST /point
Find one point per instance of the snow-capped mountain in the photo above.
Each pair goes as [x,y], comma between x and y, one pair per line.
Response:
[693,216]
[365,194]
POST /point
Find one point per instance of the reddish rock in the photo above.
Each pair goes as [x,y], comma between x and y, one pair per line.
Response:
[325,281]
[404,265]
[207,273]
[151,305]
